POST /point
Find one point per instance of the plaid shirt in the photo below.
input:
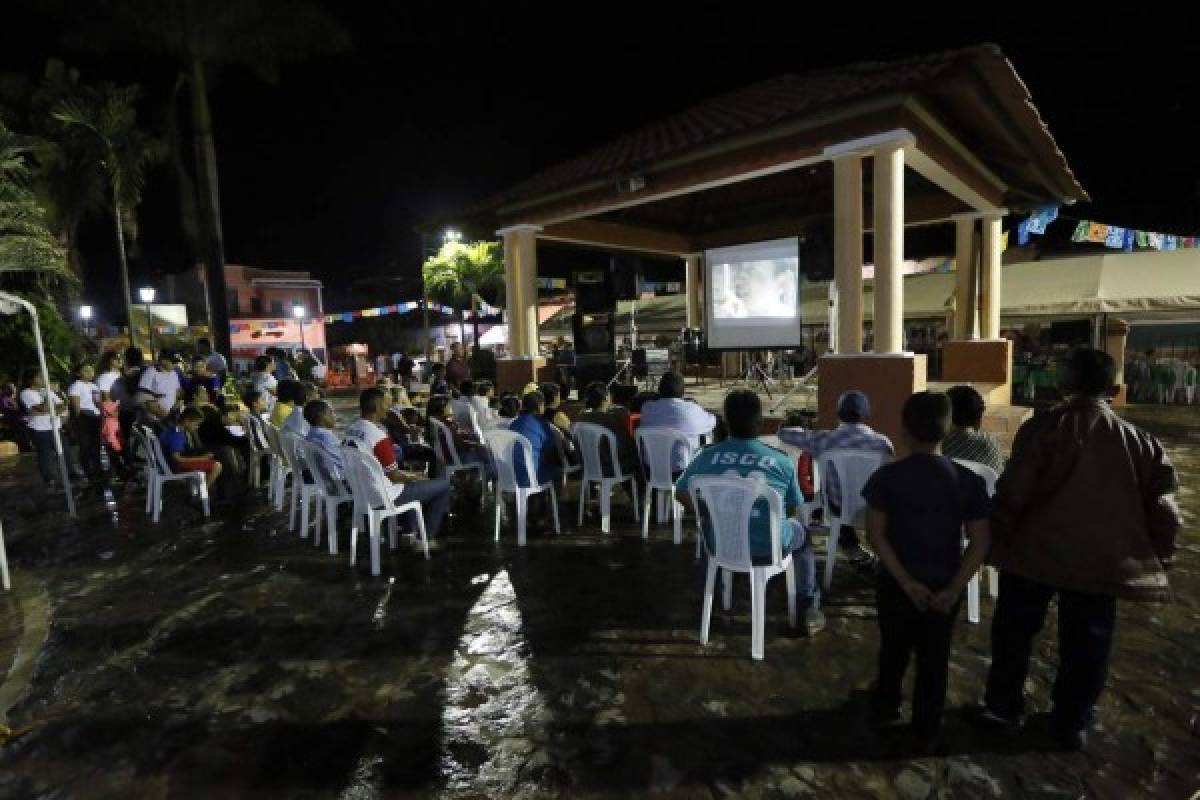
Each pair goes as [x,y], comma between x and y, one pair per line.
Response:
[974,445]
[846,436]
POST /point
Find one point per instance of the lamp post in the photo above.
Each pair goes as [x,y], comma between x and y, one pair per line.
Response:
[298,311]
[85,318]
[146,293]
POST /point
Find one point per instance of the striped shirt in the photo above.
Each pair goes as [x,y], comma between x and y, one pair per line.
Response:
[846,436]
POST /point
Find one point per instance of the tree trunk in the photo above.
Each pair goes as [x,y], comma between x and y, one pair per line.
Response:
[475,325]
[462,329]
[126,296]
[209,202]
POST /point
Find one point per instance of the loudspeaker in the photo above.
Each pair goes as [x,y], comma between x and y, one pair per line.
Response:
[594,290]
[816,251]
[624,394]
[626,272]
[593,368]
[594,334]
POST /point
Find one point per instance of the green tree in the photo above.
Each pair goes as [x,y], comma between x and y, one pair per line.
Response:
[460,274]
[28,248]
[99,130]
[202,36]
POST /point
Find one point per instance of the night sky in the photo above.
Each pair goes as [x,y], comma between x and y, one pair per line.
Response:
[432,110]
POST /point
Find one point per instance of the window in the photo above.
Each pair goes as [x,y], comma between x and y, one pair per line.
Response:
[277,308]
[255,305]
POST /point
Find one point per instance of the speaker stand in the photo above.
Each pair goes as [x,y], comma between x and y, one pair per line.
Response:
[624,367]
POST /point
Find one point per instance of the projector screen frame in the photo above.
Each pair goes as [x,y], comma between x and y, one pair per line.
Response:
[793,244]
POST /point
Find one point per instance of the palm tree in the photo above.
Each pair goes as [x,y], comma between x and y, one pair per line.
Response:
[27,245]
[103,121]
[203,35]
[462,274]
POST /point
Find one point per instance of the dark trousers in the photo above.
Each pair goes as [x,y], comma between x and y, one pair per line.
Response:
[1085,630]
[87,435]
[47,458]
[903,632]
[434,497]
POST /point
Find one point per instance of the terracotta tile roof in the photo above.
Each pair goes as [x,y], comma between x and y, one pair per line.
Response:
[786,98]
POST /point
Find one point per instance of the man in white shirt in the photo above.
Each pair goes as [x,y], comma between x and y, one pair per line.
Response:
[368,435]
[41,429]
[159,387]
[85,417]
[382,366]
[672,411]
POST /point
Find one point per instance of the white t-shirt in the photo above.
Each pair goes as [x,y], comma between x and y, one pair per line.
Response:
[86,393]
[163,385]
[36,422]
[106,380]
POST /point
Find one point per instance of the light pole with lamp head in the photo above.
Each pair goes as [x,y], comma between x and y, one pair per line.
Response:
[85,318]
[146,293]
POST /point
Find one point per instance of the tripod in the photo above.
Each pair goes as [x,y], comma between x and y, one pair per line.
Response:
[757,378]
[621,370]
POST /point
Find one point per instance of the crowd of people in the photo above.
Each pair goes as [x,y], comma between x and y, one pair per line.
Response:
[1082,510]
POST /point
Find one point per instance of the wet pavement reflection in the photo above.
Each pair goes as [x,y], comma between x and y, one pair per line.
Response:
[233,659]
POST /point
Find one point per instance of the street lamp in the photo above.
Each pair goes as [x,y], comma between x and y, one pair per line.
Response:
[85,317]
[452,235]
[147,295]
[298,311]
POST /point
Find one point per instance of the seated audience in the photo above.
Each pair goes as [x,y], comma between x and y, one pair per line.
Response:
[531,424]
[672,411]
[181,445]
[745,454]
[295,422]
[852,433]
[467,444]
[599,410]
[965,439]
[289,394]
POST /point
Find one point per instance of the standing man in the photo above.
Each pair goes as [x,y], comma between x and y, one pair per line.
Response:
[457,369]
[159,387]
[383,366]
[1083,512]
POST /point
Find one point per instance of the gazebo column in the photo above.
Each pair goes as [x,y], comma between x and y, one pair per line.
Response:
[520,283]
[847,250]
[984,362]
[964,279]
[888,375]
[694,313]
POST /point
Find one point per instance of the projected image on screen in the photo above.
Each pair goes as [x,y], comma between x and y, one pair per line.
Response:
[753,295]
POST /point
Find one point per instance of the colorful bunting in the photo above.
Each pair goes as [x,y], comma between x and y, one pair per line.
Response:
[1115,237]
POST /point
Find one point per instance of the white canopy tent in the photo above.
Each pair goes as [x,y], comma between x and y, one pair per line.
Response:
[11,305]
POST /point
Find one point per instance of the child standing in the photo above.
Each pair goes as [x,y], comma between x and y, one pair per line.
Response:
[917,508]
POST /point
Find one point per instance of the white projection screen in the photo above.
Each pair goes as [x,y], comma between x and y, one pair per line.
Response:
[752,292]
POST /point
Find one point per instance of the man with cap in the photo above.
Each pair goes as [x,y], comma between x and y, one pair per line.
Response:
[852,433]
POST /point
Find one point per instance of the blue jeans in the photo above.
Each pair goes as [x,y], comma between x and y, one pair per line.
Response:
[434,497]
[794,539]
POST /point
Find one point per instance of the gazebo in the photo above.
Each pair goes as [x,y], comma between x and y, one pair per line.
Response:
[949,138]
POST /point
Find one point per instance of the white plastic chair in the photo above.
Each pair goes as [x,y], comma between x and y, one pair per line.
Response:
[447,459]
[853,468]
[281,469]
[306,481]
[375,499]
[724,504]
[503,445]
[568,469]
[989,478]
[256,436]
[656,448]
[591,438]
[332,493]
[159,473]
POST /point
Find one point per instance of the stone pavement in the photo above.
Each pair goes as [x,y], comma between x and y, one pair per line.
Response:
[232,659]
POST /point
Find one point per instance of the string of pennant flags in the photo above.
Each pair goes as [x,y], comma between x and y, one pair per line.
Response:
[1115,236]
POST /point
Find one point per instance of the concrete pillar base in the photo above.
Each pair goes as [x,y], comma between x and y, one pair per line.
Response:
[986,364]
[512,374]
[887,380]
